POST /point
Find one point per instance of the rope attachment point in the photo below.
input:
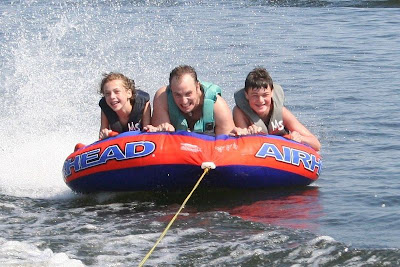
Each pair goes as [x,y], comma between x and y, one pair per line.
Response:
[208,165]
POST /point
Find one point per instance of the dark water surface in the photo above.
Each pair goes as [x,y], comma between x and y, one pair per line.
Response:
[338,62]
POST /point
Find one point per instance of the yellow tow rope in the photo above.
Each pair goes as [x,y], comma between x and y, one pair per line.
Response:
[173,219]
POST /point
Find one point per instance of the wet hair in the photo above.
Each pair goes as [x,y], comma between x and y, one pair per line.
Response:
[258,78]
[128,84]
[181,70]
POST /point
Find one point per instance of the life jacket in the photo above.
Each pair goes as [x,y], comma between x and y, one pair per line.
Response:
[135,117]
[206,124]
[275,124]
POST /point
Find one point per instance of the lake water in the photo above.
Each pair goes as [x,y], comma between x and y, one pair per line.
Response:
[338,62]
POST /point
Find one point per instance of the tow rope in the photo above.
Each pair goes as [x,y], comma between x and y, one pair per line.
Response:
[206,166]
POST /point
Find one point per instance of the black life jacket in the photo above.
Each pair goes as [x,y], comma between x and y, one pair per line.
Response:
[135,118]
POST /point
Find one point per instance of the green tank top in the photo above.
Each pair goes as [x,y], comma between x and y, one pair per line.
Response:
[206,124]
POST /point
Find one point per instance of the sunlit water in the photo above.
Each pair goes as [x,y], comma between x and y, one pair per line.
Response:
[338,62]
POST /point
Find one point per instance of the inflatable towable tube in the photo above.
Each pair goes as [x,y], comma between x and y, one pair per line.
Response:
[134,161]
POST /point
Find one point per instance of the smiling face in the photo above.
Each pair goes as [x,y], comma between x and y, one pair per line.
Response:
[260,100]
[117,96]
[186,92]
